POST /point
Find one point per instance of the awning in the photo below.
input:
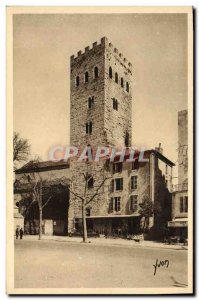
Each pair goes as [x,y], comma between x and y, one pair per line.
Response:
[178,222]
[113,216]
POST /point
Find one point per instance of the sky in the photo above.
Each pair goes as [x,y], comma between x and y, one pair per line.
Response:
[156,44]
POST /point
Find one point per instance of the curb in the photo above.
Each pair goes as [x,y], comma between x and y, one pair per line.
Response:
[90,242]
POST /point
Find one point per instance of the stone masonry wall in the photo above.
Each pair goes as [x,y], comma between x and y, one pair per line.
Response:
[108,125]
[182,146]
[117,122]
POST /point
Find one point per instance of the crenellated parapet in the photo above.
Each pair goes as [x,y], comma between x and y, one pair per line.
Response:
[104,43]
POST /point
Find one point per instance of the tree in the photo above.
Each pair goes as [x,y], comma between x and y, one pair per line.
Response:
[21,149]
[147,209]
[87,197]
[39,191]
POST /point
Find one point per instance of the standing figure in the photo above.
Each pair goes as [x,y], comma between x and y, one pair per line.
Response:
[17,233]
[21,233]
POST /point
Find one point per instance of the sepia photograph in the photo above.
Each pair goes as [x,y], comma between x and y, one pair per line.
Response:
[100,150]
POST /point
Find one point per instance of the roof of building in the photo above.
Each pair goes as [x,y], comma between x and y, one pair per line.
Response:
[145,155]
[33,166]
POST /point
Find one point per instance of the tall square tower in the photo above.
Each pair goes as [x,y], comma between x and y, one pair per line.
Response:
[101,97]
[100,113]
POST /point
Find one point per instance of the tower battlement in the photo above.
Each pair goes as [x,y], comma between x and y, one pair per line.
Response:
[104,43]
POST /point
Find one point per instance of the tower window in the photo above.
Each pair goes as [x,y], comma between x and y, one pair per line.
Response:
[90,102]
[115,104]
[116,77]
[122,82]
[89,127]
[77,81]
[86,76]
[90,181]
[110,72]
[127,87]
[96,72]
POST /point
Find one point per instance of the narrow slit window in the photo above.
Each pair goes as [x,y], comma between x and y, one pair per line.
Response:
[86,77]
[127,87]
[122,82]
[77,81]
[96,72]
[90,102]
[116,77]
[110,72]
[89,128]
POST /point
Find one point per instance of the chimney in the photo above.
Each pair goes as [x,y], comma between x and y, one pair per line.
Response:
[159,149]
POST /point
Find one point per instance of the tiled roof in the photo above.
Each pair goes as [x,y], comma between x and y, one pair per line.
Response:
[33,166]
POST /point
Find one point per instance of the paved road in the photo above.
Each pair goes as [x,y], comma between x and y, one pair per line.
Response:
[43,264]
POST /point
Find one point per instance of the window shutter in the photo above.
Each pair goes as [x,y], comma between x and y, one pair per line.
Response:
[111,205]
[118,203]
[181,204]
[112,186]
[121,184]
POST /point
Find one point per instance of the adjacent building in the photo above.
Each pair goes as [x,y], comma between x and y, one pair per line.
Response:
[179,223]
[55,213]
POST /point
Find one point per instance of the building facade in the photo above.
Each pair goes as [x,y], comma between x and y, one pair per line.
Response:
[55,213]
[179,223]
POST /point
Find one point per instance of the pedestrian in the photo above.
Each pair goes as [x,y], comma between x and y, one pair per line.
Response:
[21,233]
[17,233]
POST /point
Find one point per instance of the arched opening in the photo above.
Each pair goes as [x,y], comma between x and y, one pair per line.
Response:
[77,81]
[116,77]
[96,72]
[90,181]
[110,72]
[86,77]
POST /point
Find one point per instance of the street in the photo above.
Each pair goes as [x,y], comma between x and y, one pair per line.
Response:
[53,264]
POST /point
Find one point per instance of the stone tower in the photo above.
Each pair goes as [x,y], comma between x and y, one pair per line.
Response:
[182,147]
[100,107]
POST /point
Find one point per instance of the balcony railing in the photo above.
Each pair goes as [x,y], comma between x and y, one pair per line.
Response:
[180,187]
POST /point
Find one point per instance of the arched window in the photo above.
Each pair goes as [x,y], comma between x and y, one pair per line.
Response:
[86,76]
[90,102]
[110,72]
[90,181]
[77,81]
[116,77]
[122,82]
[96,72]
[127,87]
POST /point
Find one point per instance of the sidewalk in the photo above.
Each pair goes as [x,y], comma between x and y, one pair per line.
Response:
[108,241]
